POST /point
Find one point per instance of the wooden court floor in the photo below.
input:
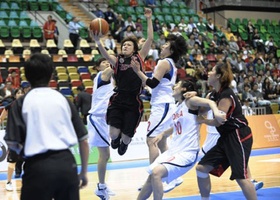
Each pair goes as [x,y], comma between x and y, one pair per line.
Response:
[124,182]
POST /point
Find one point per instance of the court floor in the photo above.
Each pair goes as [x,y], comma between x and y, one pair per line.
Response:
[125,177]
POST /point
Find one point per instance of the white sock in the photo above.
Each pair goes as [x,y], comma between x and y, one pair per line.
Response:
[101,186]
[205,198]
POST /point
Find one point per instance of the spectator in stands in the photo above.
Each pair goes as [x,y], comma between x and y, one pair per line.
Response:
[56,32]
[150,63]
[257,41]
[246,108]
[259,65]
[133,3]
[176,31]
[250,31]
[229,34]
[110,43]
[14,78]
[201,25]
[119,27]
[200,42]
[223,42]
[157,26]
[241,43]
[182,25]
[161,41]
[138,32]
[270,45]
[154,52]
[83,102]
[210,26]
[49,28]
[190,27]
[195,33]
[129,22]
[258,97]
[97,12]
[151,4]
[139,23]
[74,28]
[191,42]
[110,17]
[128,32]
[233,47]
[220,33]
[246,95]
[241,64]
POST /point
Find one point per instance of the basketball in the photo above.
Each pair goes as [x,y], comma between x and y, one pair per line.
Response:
[99,25]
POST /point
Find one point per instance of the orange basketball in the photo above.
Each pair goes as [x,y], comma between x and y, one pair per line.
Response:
[99,25]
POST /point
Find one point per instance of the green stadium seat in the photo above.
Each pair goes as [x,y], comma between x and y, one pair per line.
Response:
[44,5]
[270,29]
[139,10]
[244,36]
[177,19]
[12,23]
[84,33]
[15,6]
[262,29]
[253,21]
[164,4]
[2,23]
[182,4]
[37,33]
[26,32]
[4,6]
[266,22]
[33,5]
[34,24]
[229,22]
[23,23]
[157,11]
[175,11]
[278,53]
[130,10]
[233,28]
[13,15]
[245,21]
[183,11]
[274,22]
[237,21]
[5,32]
[23,4]
[277,29]
[168,19]
[259,22]
[166,11]
[15,32]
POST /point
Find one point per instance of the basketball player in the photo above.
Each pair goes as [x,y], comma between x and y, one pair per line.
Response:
[97,127]
[42,125]
[12,157]
[233,148]
[162,103]
[183,150]
[125,107]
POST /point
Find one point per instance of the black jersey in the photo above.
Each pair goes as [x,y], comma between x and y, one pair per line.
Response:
[235,118]
[127,80]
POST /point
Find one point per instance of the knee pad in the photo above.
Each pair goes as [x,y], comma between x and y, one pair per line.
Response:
[201,174]
[12,165]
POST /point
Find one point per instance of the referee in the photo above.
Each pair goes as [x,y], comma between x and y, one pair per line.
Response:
[42,125]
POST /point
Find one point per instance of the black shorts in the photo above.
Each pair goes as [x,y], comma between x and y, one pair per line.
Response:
[51,175]
[12,157]
[232,149]
[124,112]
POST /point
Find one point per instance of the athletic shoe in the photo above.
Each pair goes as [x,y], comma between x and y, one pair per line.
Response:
[140,188]
[172,185]
[9,186]
[110,192]
[258,184]
[102,193]
[122,148]
[116,142]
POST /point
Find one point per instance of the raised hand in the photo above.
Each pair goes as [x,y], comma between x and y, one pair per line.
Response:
[148,13]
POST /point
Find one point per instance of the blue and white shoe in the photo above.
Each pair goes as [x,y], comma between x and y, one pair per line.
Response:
[258,184]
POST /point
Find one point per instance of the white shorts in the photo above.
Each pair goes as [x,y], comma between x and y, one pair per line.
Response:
[160,118]
[176,164]
[98,131]
[210,141]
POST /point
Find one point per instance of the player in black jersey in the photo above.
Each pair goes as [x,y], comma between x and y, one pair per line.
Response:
[234,146]
[125,107]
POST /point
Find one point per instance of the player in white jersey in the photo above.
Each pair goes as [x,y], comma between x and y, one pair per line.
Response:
[162,81]
[183,149]
[97,127]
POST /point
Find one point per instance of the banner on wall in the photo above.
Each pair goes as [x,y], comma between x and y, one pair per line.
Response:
[265,130]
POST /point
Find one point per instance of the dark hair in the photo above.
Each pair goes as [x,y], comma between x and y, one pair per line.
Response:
[99,61]
[80,88]
[38,69]
[178,46]
[188,85]
[133,40]
[224,69]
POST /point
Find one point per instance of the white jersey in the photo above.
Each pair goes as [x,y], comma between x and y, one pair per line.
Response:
[162,93]
[102,91]
[185,136]
[211,129]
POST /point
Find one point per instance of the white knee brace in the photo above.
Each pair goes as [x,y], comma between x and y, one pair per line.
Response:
[201,174]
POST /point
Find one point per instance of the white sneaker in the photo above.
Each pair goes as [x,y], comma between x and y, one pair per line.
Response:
[110,192]
[172,185]
[9,186]
[102,194]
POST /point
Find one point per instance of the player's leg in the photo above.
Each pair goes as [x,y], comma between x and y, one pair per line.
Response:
[258,184]
[203,180]
[158,173]
[248,188]
[146,190]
